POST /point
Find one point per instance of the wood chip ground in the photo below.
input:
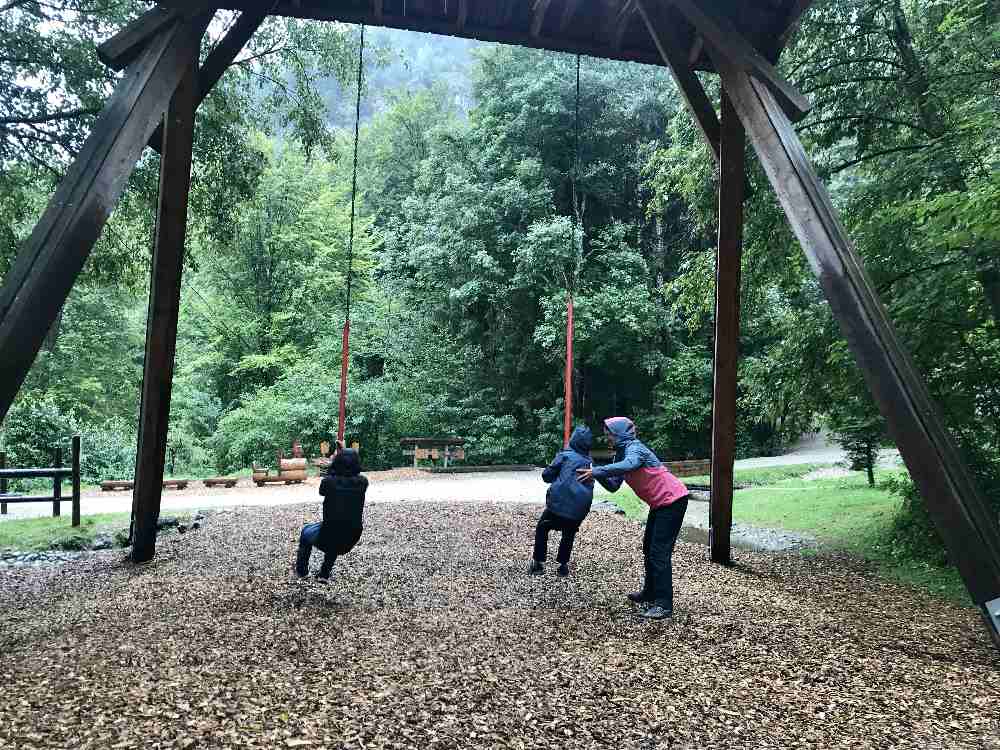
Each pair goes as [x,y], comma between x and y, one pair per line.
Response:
[432,636]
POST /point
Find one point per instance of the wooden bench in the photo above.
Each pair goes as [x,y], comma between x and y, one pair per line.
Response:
[177,484]
[220,482]
[110,485]
[423,449]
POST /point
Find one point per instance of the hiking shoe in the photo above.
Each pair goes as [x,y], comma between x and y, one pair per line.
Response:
[564,570]
[535,568]
[656,612]
[638,597]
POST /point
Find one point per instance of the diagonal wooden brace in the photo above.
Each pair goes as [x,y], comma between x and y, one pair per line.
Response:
[959,511]
[695,98]
[50,260]
[723,37]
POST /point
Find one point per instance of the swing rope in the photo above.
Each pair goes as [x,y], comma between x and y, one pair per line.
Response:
[345,346]
[571,281]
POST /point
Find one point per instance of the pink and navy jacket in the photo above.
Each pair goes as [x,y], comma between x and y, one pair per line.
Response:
[638,467]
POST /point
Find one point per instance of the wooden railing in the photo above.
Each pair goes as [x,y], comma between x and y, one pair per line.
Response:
[57,473]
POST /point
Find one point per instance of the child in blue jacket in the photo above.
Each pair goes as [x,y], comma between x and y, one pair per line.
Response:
[567,501]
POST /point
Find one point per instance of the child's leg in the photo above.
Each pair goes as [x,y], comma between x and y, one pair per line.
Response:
[542,530]
[569,530]
[327,567]
[668,526]
[310,532]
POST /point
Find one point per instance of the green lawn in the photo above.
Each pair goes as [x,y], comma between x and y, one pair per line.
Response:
[843,513]
[37,534]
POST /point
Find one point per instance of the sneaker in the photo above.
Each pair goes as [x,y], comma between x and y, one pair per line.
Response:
[656,612]
[564,570]
[535,568]
[639,597]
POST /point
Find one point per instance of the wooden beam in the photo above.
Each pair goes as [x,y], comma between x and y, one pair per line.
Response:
[622,21]
[438,25]
[959,511]
[666,40]
[697,46]
[732,176]
[720,33]
[219,60]
[49,261]
[538,18]
[568,13]
[463,15]
[164,304]
[121,49]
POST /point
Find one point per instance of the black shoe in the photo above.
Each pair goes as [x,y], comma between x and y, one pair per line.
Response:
[535,568]
[656,612]
[639,597]
[564,570]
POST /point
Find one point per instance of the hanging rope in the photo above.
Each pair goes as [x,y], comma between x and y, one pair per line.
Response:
[571,281]
[345,347]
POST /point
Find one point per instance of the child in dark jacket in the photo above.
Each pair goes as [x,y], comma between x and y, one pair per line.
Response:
[343,489]
[567,502]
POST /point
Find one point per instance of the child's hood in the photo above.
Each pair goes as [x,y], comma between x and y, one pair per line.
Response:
[622,428]
[346,463]
[581,440]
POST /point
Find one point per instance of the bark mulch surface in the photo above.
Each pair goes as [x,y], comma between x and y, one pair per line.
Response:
[431,635]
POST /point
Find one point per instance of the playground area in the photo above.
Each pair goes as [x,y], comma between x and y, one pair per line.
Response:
[431,635]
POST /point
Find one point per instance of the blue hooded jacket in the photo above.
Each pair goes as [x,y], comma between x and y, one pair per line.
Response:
[568,497]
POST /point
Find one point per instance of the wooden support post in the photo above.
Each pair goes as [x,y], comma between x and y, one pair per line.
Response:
[76,480]
[960,513]
[164,304]
[49,261]
[57,484]
[3,482]
[727,330]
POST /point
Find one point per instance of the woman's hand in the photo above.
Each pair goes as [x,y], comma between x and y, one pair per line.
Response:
[585,475]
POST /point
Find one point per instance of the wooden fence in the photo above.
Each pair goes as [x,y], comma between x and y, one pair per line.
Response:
[57,473]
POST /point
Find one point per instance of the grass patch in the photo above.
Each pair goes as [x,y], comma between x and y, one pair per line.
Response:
[843,513]
[38,534]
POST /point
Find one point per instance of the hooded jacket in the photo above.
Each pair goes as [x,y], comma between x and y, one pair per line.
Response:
[638,467]
[568,497]
[343,489]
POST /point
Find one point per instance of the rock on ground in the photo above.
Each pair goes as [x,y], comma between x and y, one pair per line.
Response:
[432,636]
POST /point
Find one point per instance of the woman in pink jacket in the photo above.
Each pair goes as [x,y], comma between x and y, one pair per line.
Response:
[667,498]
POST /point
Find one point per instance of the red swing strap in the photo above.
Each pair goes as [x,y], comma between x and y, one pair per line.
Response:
[346,343]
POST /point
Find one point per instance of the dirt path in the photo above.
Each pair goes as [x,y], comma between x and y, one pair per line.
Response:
[432,636]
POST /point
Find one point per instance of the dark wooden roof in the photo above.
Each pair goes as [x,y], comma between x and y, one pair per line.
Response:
[600,28]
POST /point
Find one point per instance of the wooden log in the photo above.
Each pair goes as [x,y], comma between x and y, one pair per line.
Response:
[722,37]
[959,511]
[57,485]
[49,261]
[127,44]
[219,60]
[164,305]
[76,479]
[667,42]
[727,331]
[111,485]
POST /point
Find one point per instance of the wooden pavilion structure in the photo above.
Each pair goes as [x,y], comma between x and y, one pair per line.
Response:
[740,40]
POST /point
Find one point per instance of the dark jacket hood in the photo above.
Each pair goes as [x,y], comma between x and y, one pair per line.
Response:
[581,440]
[622,428]
[346,463]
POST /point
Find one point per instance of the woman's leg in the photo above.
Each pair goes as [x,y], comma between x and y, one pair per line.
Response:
[327,567]
[668,527]
[647,541]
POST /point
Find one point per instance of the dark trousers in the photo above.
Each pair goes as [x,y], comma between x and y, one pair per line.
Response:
[551,522]
[307,540]
[662,527]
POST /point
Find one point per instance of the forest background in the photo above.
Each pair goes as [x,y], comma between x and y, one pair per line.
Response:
[465,246]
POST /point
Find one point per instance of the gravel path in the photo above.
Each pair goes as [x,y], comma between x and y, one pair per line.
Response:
[432,636]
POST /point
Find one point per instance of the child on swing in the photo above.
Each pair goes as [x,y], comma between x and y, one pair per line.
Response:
[343,489]
[567,502]
[667,498]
